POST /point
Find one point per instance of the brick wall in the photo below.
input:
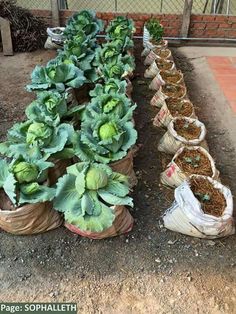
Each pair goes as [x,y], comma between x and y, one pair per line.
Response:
[215,26]
[201,26]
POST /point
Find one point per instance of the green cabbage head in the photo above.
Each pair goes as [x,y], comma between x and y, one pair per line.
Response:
[38,132]
[96,178]
[107,130]
[25,172]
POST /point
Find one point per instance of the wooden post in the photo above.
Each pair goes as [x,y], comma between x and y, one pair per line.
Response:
[55,13]
[186,18]
[6,37]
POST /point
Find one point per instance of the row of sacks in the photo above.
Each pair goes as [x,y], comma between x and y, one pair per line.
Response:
[203,207]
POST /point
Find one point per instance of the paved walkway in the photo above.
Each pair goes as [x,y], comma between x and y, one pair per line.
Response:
[224,70]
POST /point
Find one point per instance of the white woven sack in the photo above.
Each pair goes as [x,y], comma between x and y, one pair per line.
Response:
[173,176]
[152,56]
[158,100]
[171,142]
[186,216]
[159,81]
[146,36]
[153,69]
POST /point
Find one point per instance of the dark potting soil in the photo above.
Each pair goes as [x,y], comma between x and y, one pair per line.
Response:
[170,76]
[211,199]
[179,107]
[187,130]
[173,90]
[164,64]
[194,162]
[6,204]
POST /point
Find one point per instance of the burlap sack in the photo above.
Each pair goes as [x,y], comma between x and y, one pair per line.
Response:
[173,176]
[158,100]
[158,80]
[152,56]
[122,224]
[30,219]
[153,69]
[129,88]
[125,166]
[58,170]
[164,117]
[171,142]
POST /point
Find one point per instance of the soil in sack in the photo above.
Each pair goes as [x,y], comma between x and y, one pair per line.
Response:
[164,65]
[212,200]
[162,53]
[173,90]
[194,162]
[178,107]
[159,43]
[122,224]
[172,108]
[187,130]
[27,219]
[171,76]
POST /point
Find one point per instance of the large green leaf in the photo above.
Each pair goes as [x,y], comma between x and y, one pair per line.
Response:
[92,223]
[44,194]
[118,189]
[9,187]
[112,199]
[4,172]
[67,197]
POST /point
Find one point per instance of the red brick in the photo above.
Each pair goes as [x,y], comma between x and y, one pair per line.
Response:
[221,18]
[212,25]
[157,16]
[139,17]
[233,25]
[231,33]
[139,23]
[196,18]
[196,32]
[175,24]
[108,16]
[66,13]
[232,18]
[99,15]
[199,25]
[225,25]
[208,18]
[210,32]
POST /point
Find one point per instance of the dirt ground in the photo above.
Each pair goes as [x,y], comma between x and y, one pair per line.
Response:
[152,270]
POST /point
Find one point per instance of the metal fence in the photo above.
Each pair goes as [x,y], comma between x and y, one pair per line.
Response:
[138,6]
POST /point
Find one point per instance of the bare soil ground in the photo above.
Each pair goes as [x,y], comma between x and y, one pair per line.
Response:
[152,270]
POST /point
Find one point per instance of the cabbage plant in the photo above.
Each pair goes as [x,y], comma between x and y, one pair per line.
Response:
[120,27]
[35,140]
[87,193]
[56,76]
[110,86]
[115,71]
[25,182]
[50,107]
[105,139]
[113,104]
[85,21]
[110,54]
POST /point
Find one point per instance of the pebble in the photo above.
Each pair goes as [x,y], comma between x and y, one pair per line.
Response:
[172,242]
[157,260]
[211,243]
